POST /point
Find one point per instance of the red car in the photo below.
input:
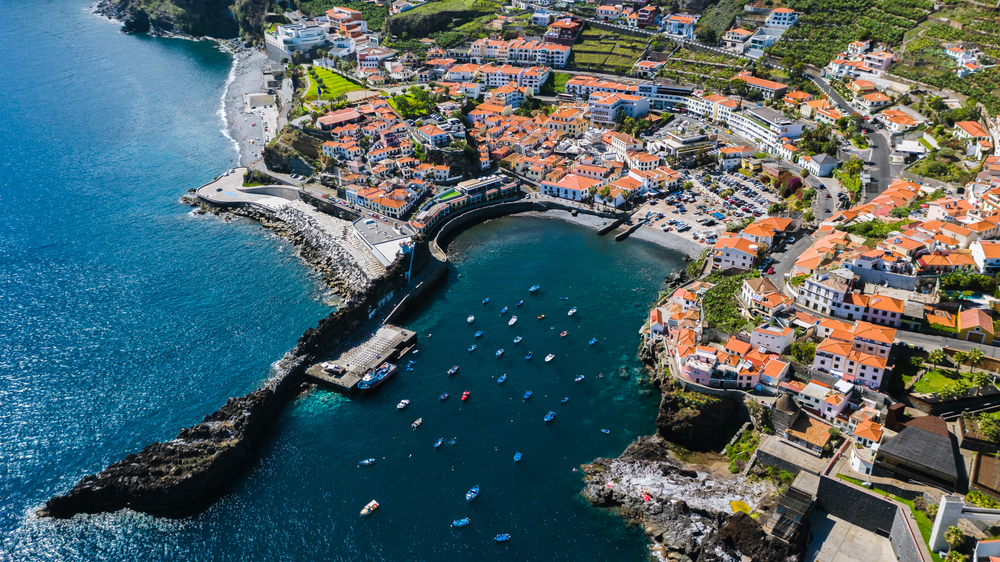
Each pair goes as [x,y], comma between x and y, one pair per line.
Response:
[770,271]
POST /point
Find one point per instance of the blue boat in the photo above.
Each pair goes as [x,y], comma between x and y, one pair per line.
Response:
[438,443]
[486,300]
[502,378]
[605,431]
[479,334]
[453,370]
[563,298]
[502,537]
[533,288]
[550,416]
[578,378]
[444,396]
[528,356]
[519,303]
[471,494]
[517,456]
[527,395]
[593,341]
[373,379]
[503,311]
[517,339]
[366,462]
[500,353]
[461,522]
[565,400]
[472,348]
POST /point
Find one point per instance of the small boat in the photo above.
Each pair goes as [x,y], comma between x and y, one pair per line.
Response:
[517,456]
[471,319]
[502,537]
[461,522]
[565,400]
[500,353]
[402,404]
[512,321]
[564,298]
[444,396]
[409,366]
[533,288]
[453,370]
[593,341]
[369,507]
[605,431]
[417,423]
[472,348]
[366,462]
[479,334]
[471,494]
[527,395]
[486,300]
[503,311]
[564,334]
[517,339]
[528,356]
[465,395]
[578,378]
[438,442]
[550,416]
[502,378]
[549,357]
[519,303]
[572,311]
[541,317]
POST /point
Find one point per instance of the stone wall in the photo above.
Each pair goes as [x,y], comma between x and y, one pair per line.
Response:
[767,459]
[855,505]
[901,539]
[330,208]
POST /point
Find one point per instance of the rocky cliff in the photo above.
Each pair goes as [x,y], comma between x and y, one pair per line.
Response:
[191,18]
[698,421]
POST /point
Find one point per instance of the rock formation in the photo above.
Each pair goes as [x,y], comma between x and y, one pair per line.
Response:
[220,19]
[686,418]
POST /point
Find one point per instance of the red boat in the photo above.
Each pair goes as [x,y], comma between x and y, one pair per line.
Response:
[563,334]
[465,395]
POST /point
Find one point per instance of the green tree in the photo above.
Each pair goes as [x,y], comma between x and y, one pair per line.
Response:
[974,356]
[804,352]
[936,357]
[900,212]
[762,250]
[954,536]
[834,432]
[980,379]
[706,34]
[954,556]
[959,358]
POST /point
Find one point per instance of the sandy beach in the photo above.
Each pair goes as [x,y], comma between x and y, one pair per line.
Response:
[667,240]
[244,78]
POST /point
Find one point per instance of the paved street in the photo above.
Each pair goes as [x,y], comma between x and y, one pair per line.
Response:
[785,258]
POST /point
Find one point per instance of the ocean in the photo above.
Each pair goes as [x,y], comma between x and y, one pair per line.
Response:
[124,317]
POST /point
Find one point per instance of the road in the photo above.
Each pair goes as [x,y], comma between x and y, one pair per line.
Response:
[882,172]
[785,258]
[825,86]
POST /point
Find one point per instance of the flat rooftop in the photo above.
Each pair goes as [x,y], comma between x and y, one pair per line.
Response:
[835,540]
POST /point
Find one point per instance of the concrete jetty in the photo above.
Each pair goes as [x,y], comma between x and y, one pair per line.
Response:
[351,362]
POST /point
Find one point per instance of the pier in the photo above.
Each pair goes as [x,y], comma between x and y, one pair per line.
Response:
[351,362]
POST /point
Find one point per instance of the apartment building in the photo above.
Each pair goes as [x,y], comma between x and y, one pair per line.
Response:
[734,252]
[605,109]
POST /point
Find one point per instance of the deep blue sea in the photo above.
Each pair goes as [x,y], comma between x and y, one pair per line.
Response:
[124,318]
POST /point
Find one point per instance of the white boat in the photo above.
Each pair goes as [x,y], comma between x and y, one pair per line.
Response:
[512,321]
[572,311]
[549,357]
[471,319]
[402,404]
[369,507]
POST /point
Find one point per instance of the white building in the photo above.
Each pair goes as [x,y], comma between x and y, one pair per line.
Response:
[781,18]
[773,339]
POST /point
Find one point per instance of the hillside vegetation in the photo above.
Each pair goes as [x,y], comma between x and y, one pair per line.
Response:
[221,19]
[437,16]
[374,14]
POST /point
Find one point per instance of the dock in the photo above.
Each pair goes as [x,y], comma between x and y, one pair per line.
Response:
[350,363]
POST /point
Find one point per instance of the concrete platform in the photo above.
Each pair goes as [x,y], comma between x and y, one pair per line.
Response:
[836,540]
[349,364]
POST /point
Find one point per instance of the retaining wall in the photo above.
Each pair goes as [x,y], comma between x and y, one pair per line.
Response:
[767,459]
[902,540]
[330,208]
[290,193]
[855,505]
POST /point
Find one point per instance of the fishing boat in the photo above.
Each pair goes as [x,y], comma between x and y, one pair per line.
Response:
[471,494]
[517,456]
[486,300]
[517,339]
[593,341]
[503,311]
[369,507]
[565,399]
[527,394]
[444,396]
[453,370]
[550,416]
[502,537]
[564,298]
[417,423]
[533,288]
[373,379]
[471,319]
[472,348]
[541,317]
[465,395]
[519,303]
[402,404]
[479,334]
[366,462]
[563,334]
[572,311]
[578,378]
[461,522]
[438,442]
[605,431]
[549,357]
[500,353]
[409,366]
[502,378]
[528,356]
[512,321]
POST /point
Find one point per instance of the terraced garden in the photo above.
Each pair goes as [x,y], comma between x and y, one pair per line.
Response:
[333,84]
[605,51]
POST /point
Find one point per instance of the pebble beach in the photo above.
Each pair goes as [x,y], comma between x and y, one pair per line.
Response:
[244,78]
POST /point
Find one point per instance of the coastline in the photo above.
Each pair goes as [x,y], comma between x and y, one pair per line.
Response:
[244,78]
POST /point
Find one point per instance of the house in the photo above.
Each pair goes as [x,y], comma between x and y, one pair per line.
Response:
[897,121]
[971,130]
[986,254]
[374,57]
[736,39]
[948,208]
[860,87]
[734,252]
[820,165]
[731,156]
[606,108]
[975,325]
[656,321]
[873,101]
[797,98]
[677,24]
[769,89]
[879,61]
[572,186]
[772,338]
[960,56]
[781,18]
[918,454]
[434,135]
[828,116]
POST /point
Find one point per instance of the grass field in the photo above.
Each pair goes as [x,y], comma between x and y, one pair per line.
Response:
[935,380]
[596,49]
[333,85]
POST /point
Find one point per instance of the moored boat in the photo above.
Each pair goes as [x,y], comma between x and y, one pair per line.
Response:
[465,395]
[517,456]
[417,423]
[502,378]
[578,378]
[550,416]
[453,370]
[369,507]
[533,288]
[444,396]
[438,442]
[527,394]
[563,298]
[503,311]
[402,404]
[502,537]
[565,399]
[374,378]
[519,303]
[471,494]
[572,311]
[563,334]
[512,321]
[541,317]
[472,348]
[500,353]
[471,319]
[461,522]
[605,431]
[528,356]
[366,462]
[593,341]
[479,334]
[517,339]
[549,357]
[486,300]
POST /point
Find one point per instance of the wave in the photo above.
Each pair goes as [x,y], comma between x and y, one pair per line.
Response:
[222,107]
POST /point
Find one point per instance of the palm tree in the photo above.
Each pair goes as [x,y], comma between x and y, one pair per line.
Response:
[974,356]
[960,357]
[954,556]
[954,536]
[936,357]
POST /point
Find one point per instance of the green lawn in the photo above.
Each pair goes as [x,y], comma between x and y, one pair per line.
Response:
[333,85]
[934,380]
[605,50]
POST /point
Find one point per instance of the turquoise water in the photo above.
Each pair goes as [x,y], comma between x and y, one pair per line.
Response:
[124,318]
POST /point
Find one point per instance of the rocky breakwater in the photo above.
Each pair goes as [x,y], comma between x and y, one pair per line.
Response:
[182,476]
[685,510]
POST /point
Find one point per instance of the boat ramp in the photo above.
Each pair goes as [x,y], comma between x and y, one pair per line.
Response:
[349,363]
